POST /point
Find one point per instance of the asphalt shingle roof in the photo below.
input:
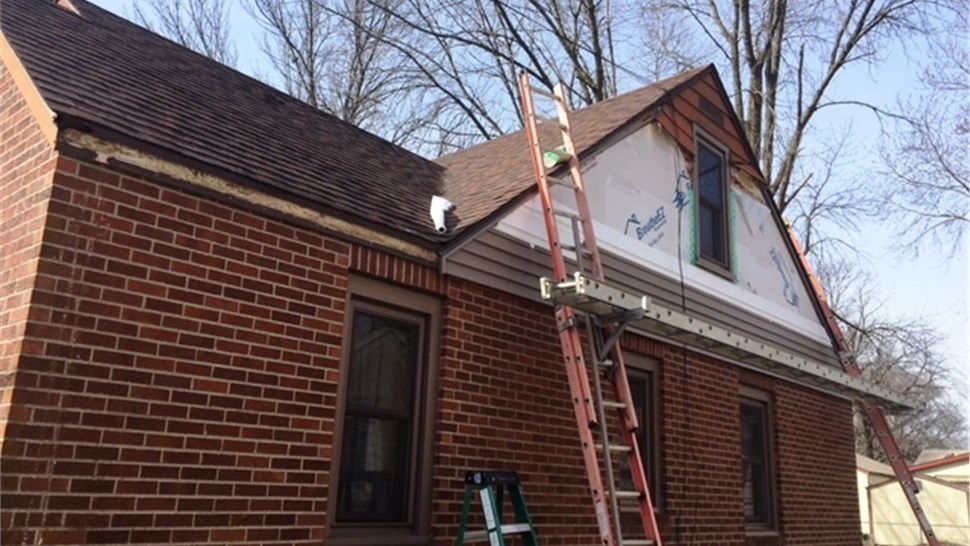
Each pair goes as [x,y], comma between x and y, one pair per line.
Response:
[111,72]
[482,178]
[104,70]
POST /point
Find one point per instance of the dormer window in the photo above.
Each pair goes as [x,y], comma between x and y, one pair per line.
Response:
[713,236]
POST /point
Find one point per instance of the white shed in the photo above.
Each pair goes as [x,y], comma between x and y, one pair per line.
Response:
[885,515]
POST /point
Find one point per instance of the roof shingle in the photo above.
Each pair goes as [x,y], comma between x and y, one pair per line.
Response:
[111,72]
[482,178]
[104,70]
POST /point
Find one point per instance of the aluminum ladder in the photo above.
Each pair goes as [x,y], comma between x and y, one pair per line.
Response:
[604,358]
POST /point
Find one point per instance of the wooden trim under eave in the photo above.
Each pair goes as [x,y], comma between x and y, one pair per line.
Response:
[42,113]
[107,151]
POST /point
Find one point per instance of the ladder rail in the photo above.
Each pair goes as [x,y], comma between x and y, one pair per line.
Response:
[564,315]
[589,416]
[566,321]
[618,375]
[582,203]
[594,335]
[874,413]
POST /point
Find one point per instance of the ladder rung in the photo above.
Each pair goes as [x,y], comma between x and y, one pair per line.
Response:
[615,447]
[572,248]
[627,495]
[541,120]
[567,214]
[544,93]
[614,404]
[637,542]
[507,529]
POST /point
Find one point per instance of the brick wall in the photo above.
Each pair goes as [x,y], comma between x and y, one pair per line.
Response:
[179,376]
[26,167]
[504,404]
[819,504]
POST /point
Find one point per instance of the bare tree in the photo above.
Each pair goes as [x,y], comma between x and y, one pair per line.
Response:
[466,56]
[927,175]
[200,25]
[334,54]
[297,44]
[902,355]
[823,200]
[669,44]
[782,59]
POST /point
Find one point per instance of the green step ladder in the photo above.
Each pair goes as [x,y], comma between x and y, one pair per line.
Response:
[490,486]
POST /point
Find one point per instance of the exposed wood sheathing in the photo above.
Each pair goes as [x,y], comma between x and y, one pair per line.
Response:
[109,151]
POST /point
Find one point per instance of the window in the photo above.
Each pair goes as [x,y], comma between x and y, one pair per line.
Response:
[642,375]
[379,417]
[756,461]
[713,240]
[386,392]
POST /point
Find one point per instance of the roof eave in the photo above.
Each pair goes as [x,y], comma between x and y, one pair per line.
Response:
[42,113]
[946,461]
[469,233]
[147,159]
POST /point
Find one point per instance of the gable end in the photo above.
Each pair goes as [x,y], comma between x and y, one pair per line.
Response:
[704,103]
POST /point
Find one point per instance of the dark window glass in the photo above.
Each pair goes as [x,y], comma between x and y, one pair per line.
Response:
[756,467]
[379,420]
[642,388]
[712,205]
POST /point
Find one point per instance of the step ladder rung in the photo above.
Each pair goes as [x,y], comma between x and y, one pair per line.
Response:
[615,448]
[507,529]
[637,542]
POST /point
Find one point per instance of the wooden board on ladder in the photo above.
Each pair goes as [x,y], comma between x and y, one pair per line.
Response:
[604,358]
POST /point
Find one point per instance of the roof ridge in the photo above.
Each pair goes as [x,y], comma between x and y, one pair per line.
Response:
[682,78]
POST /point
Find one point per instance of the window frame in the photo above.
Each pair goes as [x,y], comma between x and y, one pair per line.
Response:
[397,303]
[645,367]
[723,267]
[770,525]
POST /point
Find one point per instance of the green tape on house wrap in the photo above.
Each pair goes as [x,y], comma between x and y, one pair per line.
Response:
[734,212]
[694,253]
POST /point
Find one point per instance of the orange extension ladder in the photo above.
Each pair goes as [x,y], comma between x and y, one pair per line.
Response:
[603,331]
[873,411]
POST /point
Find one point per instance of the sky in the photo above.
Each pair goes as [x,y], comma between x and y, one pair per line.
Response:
[929,285]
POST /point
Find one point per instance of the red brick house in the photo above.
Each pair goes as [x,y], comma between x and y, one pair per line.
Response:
[227,317]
